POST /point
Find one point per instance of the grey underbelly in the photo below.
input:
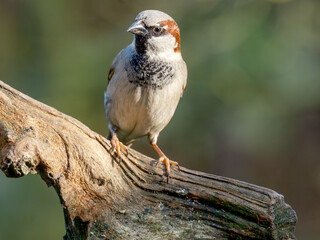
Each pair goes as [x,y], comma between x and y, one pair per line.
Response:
[145,112]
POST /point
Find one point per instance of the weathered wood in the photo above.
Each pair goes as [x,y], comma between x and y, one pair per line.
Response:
[107,199]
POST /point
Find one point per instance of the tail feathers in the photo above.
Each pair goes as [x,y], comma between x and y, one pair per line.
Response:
[109,136]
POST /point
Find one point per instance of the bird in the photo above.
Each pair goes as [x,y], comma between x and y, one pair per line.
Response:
[145,83]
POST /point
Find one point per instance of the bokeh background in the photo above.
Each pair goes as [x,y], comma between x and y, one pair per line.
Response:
[251,110]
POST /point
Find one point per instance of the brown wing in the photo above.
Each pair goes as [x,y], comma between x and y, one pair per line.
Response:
[183,89]
[110,74]
[184,75]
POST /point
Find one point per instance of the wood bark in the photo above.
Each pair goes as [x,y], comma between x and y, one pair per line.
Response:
[104,198]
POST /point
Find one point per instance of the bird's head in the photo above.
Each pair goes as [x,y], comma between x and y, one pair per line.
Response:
[156,32]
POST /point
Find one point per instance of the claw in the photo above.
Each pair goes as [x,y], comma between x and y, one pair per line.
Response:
[167,161]
[117,146]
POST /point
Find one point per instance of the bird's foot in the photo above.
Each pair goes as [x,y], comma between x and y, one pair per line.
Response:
[117,146]
[168,163]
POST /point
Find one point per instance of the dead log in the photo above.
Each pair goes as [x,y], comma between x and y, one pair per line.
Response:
[103,198]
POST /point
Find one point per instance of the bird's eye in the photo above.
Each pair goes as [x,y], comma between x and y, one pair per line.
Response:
[157,30]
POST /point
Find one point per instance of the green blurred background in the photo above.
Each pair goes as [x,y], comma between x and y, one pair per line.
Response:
[251,110]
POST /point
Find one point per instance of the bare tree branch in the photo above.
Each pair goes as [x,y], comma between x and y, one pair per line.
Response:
[103,198]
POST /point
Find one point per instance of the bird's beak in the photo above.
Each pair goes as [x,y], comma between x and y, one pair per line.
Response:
[138,28]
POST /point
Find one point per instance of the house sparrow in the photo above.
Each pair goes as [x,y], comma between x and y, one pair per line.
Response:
[145,83]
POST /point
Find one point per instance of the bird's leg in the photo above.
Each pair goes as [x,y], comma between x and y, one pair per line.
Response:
[165,159]
[117,145]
